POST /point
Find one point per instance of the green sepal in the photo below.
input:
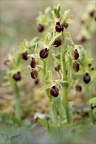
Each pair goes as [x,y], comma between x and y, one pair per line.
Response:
[45,87]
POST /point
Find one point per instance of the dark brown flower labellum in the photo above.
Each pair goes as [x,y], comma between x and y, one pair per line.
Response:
[57,43]
[82,21]
[36,82]
[82,39]
[59,27]
[91,13]
[33,63]
[25,55]
[78,88]
[44,53]
[92,107]
[92,68]
[89,65]
[86,78]
[76,66]
[34,74]
[57,68]
[17,76]
[40,27]
[76,54]
[65,25]
[54,91]
[6,62]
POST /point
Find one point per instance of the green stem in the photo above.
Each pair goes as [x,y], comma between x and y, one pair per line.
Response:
[54,113]
[17,97]
[18,103]
[64,86]
[46,68]
[87,92]
[17,100]
[51,100]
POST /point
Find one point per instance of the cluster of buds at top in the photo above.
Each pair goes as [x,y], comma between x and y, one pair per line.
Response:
[17,76]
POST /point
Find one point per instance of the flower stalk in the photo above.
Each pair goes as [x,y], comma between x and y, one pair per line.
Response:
[64,77]
[16,91]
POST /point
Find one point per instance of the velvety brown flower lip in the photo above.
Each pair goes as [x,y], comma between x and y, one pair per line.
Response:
[78,88]
[76,66]
[57,43]
[33,63]
[54,91]
[76,54]
[86,78]
[40,27]
[44,53]
[34,74]
[59,27]
[17,76]
[25,55]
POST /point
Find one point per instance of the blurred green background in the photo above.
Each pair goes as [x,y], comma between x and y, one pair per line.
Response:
[17,19]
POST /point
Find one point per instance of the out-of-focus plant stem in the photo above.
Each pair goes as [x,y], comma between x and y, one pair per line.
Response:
[88,98]
[17,98]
